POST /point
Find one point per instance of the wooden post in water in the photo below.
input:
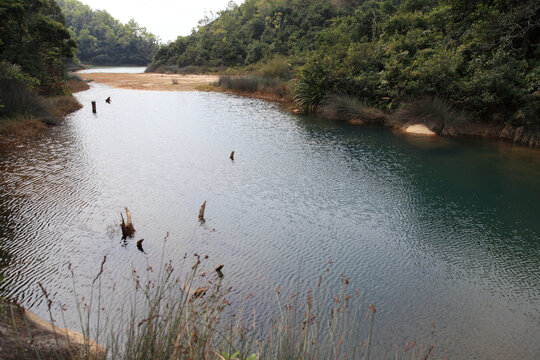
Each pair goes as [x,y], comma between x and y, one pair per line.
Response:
[127,227]
[94,107]
[201,211]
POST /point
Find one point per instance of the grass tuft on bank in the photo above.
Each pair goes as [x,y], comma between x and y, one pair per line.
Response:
[346,107]
[253,83]
[437,114]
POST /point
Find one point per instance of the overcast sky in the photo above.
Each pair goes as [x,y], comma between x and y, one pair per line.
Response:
[164,18]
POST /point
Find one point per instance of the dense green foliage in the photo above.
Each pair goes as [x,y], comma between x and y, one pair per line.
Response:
[33,36]
[480,56]
[483,57]
[245,34]
[101,39]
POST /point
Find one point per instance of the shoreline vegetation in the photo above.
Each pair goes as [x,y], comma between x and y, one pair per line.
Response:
[430,116]
[34,114]
[458,67]
[35,49]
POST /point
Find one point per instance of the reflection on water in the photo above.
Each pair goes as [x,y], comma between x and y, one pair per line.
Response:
[115,70]
[437,231]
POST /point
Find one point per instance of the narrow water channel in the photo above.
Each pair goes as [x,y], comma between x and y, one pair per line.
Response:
[435,231]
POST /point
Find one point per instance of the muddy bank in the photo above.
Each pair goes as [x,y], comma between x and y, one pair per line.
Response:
[151,81]
[23,335]
[519,135]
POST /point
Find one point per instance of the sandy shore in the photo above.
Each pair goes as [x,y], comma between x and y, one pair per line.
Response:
[419,129]
[163,82]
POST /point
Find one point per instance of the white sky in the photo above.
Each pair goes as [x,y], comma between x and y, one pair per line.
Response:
[164,18]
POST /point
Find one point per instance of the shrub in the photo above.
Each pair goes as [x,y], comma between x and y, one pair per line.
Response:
[277,67]
[20,102]
[313,85]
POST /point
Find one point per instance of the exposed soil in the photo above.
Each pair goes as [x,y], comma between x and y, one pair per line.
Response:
[151,81]
[25,336]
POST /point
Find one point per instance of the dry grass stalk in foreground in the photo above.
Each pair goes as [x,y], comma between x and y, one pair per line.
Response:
[164,319]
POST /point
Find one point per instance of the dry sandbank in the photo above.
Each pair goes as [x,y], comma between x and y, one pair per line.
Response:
[150,81]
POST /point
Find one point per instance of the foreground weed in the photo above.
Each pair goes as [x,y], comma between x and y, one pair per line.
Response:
[185,313]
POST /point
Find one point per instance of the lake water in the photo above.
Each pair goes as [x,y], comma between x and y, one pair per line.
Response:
[115,70]
[442,231]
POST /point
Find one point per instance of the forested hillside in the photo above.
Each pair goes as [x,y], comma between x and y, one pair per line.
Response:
[481,57]
[103,40]
[34,46]
[34,43]
[245,34]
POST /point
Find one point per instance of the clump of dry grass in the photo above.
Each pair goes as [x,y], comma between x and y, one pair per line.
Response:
[63,105]
[255,83]
[43,112]
[185,313]
[437,114]
[190,317]
[20,126]
[77,85]
[346,107]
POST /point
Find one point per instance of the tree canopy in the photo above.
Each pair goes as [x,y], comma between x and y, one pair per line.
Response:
[33,36]
[103,40]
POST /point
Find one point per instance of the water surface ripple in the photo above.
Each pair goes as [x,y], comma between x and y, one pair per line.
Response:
[434,230]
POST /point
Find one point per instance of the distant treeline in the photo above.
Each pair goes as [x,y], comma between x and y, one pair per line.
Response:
[482,57]
[103,40]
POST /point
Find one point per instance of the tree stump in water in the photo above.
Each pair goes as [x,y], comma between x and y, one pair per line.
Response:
[201,211]
[127,227]
[139,245]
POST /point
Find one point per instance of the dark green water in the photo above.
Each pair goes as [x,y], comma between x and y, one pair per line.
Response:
[439,231]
